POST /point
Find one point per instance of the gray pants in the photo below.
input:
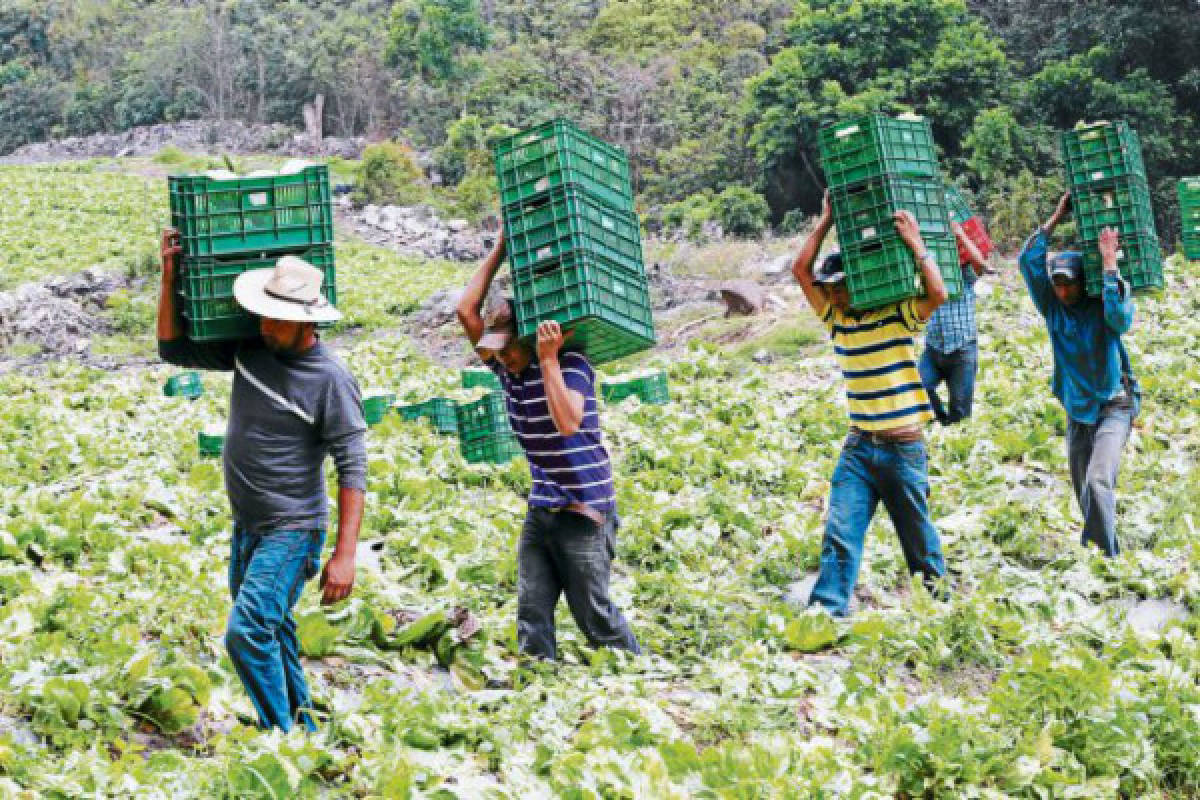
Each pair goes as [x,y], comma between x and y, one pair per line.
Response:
[564,552]
[1094,452]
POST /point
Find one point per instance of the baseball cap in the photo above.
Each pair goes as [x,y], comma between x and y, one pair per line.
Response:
[1068,265]
[831,271]
[499,327]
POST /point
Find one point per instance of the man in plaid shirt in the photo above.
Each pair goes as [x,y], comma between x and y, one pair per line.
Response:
[951,349]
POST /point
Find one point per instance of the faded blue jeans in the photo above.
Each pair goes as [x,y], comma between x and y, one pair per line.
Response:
[867,472]
[957,370]
[1094,453]
[267,572]
[561,552]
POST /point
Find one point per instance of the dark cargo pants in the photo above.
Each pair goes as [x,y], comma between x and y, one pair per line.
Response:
[564,552]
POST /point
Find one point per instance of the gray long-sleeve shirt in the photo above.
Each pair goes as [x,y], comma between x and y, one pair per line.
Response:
[287,413]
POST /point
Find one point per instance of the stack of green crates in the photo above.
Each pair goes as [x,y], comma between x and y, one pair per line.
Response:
[1189,212]
[875,166]
[484,433]
[440,411]
[229,225]
[573,240]
[473,378]
[1107,179]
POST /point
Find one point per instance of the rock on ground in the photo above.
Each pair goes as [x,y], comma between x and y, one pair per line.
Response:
[198,136]
[59,316]
[742,297]
[418,231]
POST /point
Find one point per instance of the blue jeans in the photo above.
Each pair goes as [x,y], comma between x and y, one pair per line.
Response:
[1094,453]
[267,572]
[867,472]
[957,370]
[561,552]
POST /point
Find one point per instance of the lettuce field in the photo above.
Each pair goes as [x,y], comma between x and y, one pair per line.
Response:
[1049,673]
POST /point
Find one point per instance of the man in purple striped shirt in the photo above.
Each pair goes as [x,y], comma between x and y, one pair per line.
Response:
[569,538]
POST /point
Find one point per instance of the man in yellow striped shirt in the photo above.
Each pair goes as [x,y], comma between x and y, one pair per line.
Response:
[883,458]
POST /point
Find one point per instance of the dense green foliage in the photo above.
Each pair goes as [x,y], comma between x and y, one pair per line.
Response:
[704,95]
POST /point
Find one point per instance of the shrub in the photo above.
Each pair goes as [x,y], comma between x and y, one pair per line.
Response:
[476,194]
[742,211]
[793,221]
[689,214]
[1017,205]
[388,175]
[465,150]
[171,155]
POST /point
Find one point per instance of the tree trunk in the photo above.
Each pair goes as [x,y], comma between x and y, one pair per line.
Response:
[314,113]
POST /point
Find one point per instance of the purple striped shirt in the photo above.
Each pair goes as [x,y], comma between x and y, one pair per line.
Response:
[565,469]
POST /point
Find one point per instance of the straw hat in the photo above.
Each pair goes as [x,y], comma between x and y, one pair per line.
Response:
[291,292]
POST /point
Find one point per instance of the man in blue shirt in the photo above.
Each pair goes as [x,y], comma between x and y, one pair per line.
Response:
[569,539]
[1093,378]
[951,347]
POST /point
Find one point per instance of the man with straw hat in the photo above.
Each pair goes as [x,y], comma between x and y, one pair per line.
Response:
[293,403]
[569,538]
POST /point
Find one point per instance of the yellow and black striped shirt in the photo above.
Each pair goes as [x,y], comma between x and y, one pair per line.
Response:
[878,356]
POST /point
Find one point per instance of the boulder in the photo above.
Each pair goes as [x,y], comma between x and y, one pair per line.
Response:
[742,297]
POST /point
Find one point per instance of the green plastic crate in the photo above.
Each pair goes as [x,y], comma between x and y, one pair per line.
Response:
[1189,192]
[1189,214]
[184,384]
[1139,258]
[567,219]
[484,432]
[211,442]
[606,305]
[885,271]
[1101,152]
[1122,203]
[376,404]
[557,153]
[440,411]
[872,145]
[205,286]
[475,378]
[956,204]
[242,215]
[490,449]
[479,419]
[650,389]
[863,212]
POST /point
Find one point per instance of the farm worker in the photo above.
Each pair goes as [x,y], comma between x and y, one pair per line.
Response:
[883,457]
[951,347]
[293,403]
[1093,378]
[568,540]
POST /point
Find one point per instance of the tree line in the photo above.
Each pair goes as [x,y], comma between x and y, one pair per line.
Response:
[704,94]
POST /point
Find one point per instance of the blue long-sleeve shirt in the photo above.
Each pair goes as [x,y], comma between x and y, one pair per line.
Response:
[1089,358]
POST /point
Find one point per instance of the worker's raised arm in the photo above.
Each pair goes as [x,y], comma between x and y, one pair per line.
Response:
[170,325]
[974,256]
[802,267]
[931,273]
[471,303]
[173,345]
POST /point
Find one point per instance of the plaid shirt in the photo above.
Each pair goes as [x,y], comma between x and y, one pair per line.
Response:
[952,326]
